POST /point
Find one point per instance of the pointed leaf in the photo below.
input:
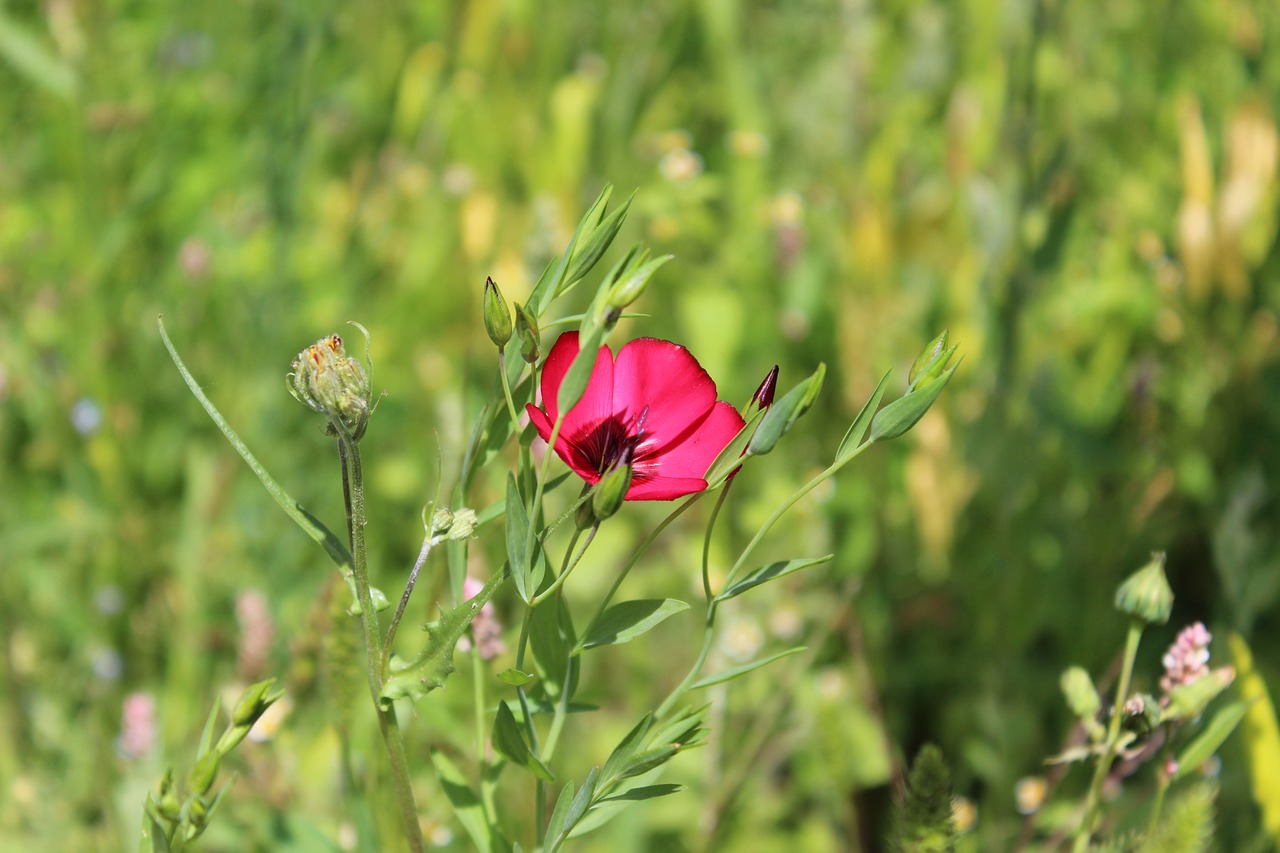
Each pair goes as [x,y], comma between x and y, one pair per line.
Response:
[522,564]
[515,677]
[1214,735]
[771,572]
[508,741]
[645,792]
[311,525]
[858,429]
[555,826]
[902,414]
[466,803]
[626,748]
[623,622]
[434,663]
[739,671]
[593,247]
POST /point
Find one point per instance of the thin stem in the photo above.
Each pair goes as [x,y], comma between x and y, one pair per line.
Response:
[635,558]
[1162,786]
[708,634]
[506,392]
[706,540]
[427,545]
[568,567]
[349,451]
[1091,811]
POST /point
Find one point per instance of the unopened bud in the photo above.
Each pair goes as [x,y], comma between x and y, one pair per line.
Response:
[527,332]
[497,317]
[329,381]
[1140,714]
[254,702]
[456,525]
[782,416]
[632,281]
[201,777]
[1145,594]
[763,398]
[612,489]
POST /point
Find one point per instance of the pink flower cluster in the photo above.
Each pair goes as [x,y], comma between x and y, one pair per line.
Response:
[1188,658]
[485,627]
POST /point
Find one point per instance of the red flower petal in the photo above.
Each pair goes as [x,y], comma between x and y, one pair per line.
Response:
[665,488]
[662,382]
[693,456]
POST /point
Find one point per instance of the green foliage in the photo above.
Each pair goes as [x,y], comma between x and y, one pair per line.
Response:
[923,820]
[1186,825]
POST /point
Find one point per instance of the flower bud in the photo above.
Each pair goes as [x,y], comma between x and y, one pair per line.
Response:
[454,525]
[611,491]
[1140,714]
[527,332]
[497,317]
[763,398]
[927,359]
[1145,594]
[255,700]
[329,381]
[782,417]
[201,777]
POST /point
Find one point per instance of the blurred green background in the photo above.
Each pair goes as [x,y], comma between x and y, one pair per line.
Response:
[1084,194]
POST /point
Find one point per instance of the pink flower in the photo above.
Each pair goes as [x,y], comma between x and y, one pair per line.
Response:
[654,399]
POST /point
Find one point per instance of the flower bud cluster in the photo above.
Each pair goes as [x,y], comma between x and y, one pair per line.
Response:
[329,381]
[1187,659]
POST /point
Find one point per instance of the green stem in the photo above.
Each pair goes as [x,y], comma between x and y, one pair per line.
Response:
[635,558]
[1162,786]
[427,545]
[390,731]
[1094,798]
[569,565]
[506,393]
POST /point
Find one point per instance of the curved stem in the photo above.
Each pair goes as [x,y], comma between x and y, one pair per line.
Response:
[569,565]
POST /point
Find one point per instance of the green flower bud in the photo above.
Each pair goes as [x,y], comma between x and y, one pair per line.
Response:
[201,777]
[1145,594]
[329,381]
[497,317]
[527,332]
[448,524]
[612,489]
[927,359]
[1140,714]
[254,702]
[783,414]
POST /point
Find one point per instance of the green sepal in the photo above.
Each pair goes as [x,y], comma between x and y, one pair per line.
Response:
[434,663]
[623,622]
[770,572]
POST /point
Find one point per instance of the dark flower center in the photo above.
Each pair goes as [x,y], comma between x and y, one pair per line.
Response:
[603,445]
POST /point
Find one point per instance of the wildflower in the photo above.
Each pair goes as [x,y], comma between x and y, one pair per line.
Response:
[137,726]
[485,626]
[1188,658]
[654,400]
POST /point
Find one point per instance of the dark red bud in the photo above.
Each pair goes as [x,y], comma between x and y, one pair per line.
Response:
[763,398]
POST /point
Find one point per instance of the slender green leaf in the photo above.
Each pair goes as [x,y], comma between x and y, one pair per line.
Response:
[555,826]
[466,802]
[515,677]
[27,54]
[576,378]
[206,735]
[508,741]
[1261,735]
[596,243]
[739,671]
[311,525]
[858,429]
[625,749]
[771,572]
[1214,735]
[623,622]
[645,792]
[523,570]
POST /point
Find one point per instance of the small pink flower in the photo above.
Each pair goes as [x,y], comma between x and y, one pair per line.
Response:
[1188,658]
[654,399]
[137,726]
